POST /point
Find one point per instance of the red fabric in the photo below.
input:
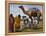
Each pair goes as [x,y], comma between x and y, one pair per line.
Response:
[11,24]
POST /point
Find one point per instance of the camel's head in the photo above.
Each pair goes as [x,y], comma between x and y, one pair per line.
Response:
[20,6]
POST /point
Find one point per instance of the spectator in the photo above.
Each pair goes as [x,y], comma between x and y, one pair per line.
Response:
[17,23]
[11,23]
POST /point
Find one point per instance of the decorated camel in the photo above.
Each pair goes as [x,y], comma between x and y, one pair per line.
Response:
[35,13]
[32,13]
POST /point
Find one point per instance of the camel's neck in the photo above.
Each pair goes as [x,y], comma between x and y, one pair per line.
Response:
[22,8]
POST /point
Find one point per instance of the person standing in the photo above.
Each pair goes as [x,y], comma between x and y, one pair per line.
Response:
[17,23]
[11,23]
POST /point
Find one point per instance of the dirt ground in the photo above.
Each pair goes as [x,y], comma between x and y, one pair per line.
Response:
[39,28]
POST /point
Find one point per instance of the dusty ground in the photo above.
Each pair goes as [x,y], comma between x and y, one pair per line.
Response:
[37,29]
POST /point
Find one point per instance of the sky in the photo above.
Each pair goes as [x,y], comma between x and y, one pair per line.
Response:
[15,10]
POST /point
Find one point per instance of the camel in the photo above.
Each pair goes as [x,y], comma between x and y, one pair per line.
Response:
[25,12]
[30,13]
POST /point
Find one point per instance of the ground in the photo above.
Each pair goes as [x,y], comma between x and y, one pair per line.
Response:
[37,29]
